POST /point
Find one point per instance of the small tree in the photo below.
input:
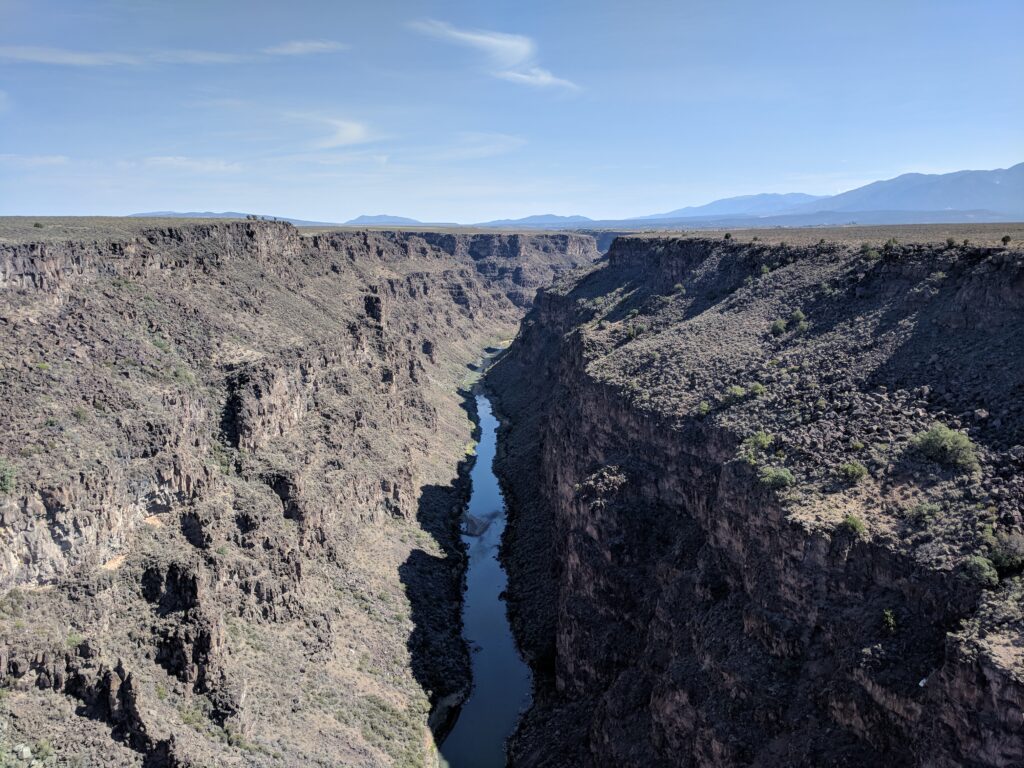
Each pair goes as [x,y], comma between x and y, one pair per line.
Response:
[1006,240]
[947,446]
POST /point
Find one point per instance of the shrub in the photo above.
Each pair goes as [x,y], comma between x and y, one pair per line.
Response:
[1006,240]
[1008,553]
[704,408]
[755,444]
[6,477]
[37,225]
[924,512]
[728,235]
[778,327]
[947,446]
[854,525]
[776,477]
[950,242]
[798,316]
[889,621]
[734,394]
[853,472]
[765,269]
[980,570]
[872,255]
[757,389]
[680,289]
[857,445]
[755,239]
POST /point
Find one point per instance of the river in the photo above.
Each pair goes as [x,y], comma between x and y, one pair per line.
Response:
[501,680]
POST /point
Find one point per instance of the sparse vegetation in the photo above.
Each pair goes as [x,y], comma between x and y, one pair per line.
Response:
[889,624]
[728,235]
[950,242]
[980,570]
[757,389]
[776,477]
[778,327]
[924,513]
[947,447]
[754,445]
[854,525]
[703,408]
[1005,240]
[7,477]
[38,225]
[797,316]
[734,394]
[853,472]
[1007,553]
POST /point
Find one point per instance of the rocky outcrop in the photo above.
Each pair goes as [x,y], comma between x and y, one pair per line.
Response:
[231,484]
[736,552]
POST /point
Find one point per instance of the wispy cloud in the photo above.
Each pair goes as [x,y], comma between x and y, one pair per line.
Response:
[61,56]
[29,54]
[191,164]
[33,161]
[343,131]
[304,47]
[512,56]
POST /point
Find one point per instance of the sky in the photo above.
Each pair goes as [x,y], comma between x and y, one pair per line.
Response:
[471,111]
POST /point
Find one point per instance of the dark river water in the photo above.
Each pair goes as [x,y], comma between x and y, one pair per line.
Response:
[501,680]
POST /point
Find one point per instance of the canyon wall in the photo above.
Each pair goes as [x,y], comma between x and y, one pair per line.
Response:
[728,542]
[230,479]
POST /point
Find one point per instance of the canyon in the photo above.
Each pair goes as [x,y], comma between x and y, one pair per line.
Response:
[234,460]
[765,493]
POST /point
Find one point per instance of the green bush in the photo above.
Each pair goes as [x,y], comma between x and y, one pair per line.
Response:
[948,447]
[680,289]
[950,242]
[924,512]
[854,525]
[703,408]
[776,477]
[853,472]
[6,477]
[1008,553]
[778,327]
[734,394]
[1006,240]
[728,235]
[37,225]
[980,570]
[889,621]
[757,389]
[798,316]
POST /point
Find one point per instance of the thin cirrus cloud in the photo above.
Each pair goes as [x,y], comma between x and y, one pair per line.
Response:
[304,47]
[512,56]
[342,131]
[30,54]
[191,164]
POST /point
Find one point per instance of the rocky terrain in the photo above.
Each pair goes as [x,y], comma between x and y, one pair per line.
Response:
[231,470]
[767,503]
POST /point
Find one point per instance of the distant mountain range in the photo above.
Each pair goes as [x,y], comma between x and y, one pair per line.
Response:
[227,215]
[380,220]
[913,198]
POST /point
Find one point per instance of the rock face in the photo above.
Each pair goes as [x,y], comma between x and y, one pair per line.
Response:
[230,479]
[731,542]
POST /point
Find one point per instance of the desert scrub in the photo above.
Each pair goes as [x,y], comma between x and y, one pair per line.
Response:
[854,525]
[754,445]
[979,570]
[1007,553]
[6,478]
[757,389]
[776,477]
[703,408]
[924,513]
[947,447]
[797,316]
[852,472]
[778,327]
[889,624]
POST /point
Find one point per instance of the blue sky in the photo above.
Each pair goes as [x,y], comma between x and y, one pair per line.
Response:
[468,111]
